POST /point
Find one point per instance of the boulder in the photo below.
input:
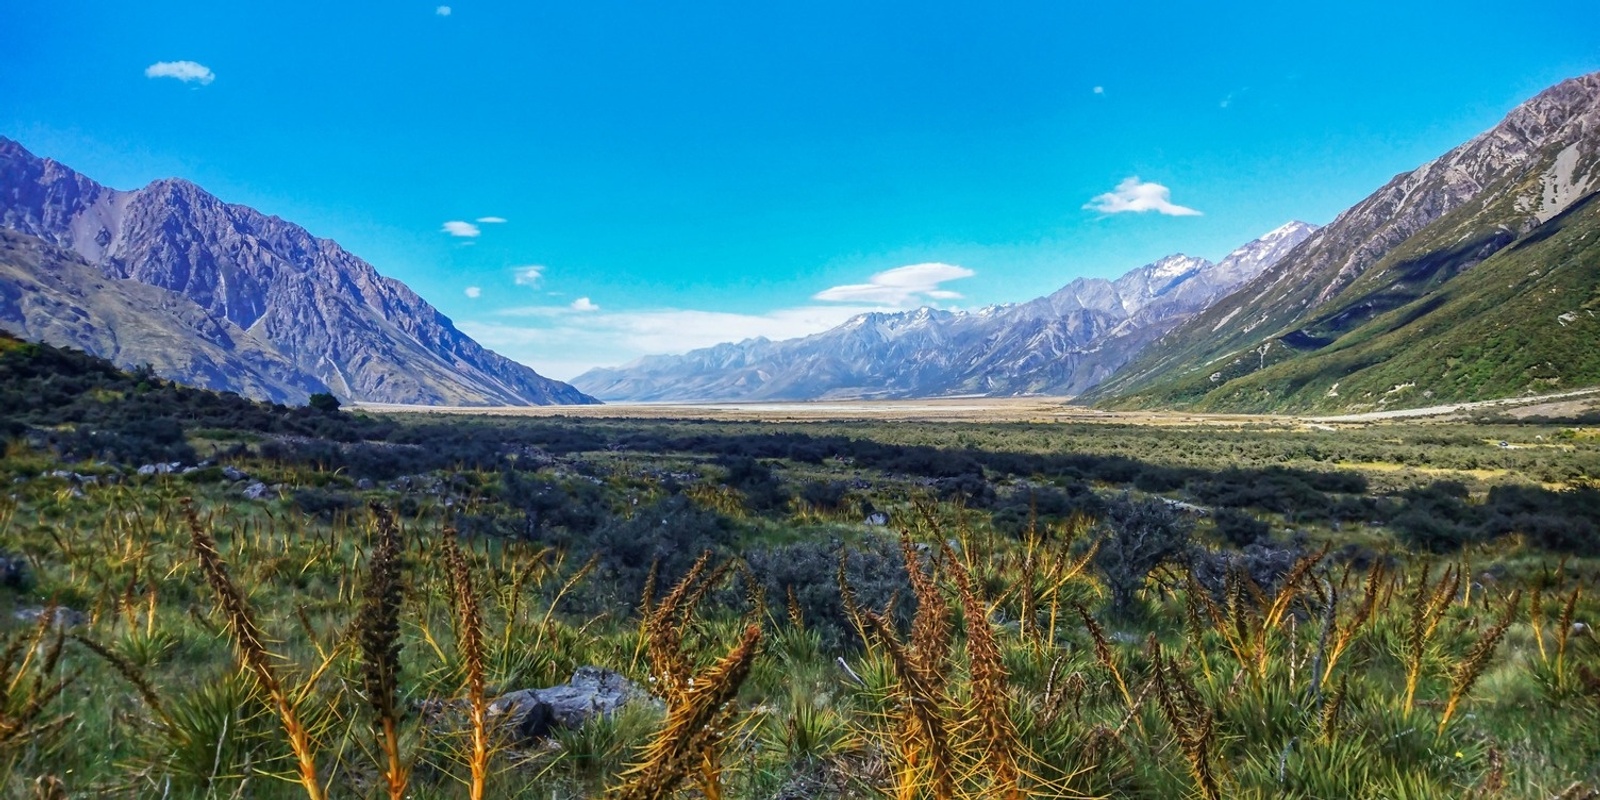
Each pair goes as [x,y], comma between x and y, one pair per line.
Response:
[531,714]
[234,473]
[64,617]
[256,491]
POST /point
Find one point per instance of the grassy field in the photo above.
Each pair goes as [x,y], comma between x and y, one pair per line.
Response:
[329,604]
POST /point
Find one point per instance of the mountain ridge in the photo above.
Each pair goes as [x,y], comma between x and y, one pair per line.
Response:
[1342,322]
[1056,344]
[299,300]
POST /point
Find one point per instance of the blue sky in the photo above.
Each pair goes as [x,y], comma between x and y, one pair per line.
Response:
[671,175]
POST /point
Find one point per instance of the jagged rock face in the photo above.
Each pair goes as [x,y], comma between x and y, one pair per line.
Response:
[1059,344]
[343,327]
[1402,244]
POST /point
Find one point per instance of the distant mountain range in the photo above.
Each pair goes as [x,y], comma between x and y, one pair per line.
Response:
[224,297]
[1475,276]
[1060,344]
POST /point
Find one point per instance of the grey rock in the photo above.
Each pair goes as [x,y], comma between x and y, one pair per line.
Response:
[365,484]
[63,617]
[234,474]
[256,491]
[877,519]
[532,714]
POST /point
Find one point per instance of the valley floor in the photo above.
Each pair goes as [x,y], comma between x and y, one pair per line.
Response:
[1004,409]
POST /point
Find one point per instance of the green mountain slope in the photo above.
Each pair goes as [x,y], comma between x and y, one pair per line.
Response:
[1469,278]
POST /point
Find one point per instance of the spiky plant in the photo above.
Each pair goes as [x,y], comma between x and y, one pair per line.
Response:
[378,630]
[1103,654]
[250,644]
[990,698]
[469,643]
[29,683]
[1192,722]
[688,739]
[1466,673]
[925,754]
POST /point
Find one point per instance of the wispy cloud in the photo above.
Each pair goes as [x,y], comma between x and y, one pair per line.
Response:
[473,292]
[584,304]
[530,275]
[1099,90]
[186,71]
[899,286]
[456,227]
[443,11]
[1134,195]
[491,220]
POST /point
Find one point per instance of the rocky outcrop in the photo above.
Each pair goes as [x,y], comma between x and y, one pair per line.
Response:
[1060,344]
[222,296]
[531,714]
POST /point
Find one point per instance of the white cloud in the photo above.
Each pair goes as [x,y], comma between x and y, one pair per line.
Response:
[443,11]
[584,304]
[491,220]
[456,227]
[899,286]
[186,71]
[474,292]
[1099,90]
[1137,196]
[530,275]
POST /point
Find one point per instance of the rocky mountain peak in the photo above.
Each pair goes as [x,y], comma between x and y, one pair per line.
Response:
[1058,344]
[245,280]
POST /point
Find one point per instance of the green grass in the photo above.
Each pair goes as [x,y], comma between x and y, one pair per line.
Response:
[800,721]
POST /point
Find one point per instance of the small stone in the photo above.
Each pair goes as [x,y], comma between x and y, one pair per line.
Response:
[256,491]
[234,474]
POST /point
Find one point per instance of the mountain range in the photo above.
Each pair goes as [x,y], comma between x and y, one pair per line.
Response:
[1475,276]
[222,296]
[1472,277]
[1063,343]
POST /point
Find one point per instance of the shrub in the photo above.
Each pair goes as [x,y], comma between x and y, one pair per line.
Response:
[1239,528]
[1137,537]
[322,503]
[324,402]
[1044,506]
[763,492]
[671,533]
[875,571]
[825,495]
